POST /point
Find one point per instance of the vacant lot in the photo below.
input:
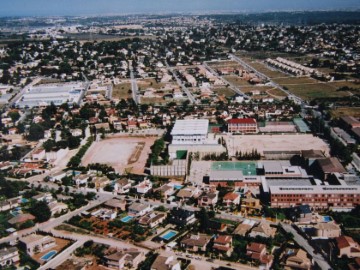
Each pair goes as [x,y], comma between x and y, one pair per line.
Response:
[246,143]
[227,92]
[121,91]
[117,152]
[237,81]
[352,111]
[151,82]
[266,70]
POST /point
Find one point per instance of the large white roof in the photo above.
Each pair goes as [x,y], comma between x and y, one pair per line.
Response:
[190,127]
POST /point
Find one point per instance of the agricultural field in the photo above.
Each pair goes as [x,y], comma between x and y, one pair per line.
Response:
[121,91]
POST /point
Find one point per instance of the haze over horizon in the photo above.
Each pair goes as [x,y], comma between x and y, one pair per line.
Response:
[108,7]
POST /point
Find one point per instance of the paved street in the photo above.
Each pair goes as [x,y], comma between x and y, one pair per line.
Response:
[318,258]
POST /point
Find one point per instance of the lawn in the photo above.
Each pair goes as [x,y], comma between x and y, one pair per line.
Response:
[121,91]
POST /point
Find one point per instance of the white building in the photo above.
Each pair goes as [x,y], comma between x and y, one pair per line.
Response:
[46,94]
[193,131]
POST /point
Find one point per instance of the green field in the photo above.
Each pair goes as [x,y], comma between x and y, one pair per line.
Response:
[248,168]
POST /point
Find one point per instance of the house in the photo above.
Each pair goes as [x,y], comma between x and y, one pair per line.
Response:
[139,209]
[231,198]
[263,229]
[57,176]
[36,243]
[38,154]
[223,243]
[144,186]
[44,197]
[9,256]
[165,263]
[116,203]
[181,217]
[124,259]
[153,219]
[81,179]
[242,125]
[9,204]
[20,219]
[57,207]
[188,192]
[257,253]
[296,259]
[104,214]
[131,125]
[327,230]
[122,186]
[244,227]
[100,181]
[208,199]
[196,242]
[347,247]
[250,205]
[5,165]
[166,190]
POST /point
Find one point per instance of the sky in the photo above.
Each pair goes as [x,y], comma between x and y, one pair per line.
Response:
[112,7]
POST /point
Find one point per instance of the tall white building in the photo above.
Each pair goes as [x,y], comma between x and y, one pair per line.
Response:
[193,131]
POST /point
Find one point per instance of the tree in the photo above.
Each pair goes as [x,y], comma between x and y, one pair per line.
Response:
[36,132]
[48,145]
[14,115]
[41,211]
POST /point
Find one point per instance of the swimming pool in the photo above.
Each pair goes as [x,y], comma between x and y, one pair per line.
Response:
[178,186]
[126,219]
[326,219]
[49,255]
[168,235]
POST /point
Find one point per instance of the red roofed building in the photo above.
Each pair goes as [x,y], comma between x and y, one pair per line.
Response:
[348,247]
[257,253]
[242,125]
[223,243]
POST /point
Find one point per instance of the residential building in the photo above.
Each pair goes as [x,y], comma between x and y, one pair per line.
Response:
[263,229]
[208,199]
[36,243]
[348,247]
[166,190]
[223,244]
[116,203]
[144,187]
[181,217]
[196,242]
[20,219]
[165,263]
[9,256]
[122,186]
[124,259]
[244,227]
[139,209]
[327,230]
[242,125]
[189,192]
[152,219]
[296,259]
[231,198]
[257,253]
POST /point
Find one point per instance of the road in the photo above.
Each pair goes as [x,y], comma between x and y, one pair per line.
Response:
[264,77]
[134,86]
[318,258]
[179,82]
[232,86]
[25,89]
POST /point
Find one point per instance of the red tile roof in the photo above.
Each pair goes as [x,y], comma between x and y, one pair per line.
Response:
[242,121]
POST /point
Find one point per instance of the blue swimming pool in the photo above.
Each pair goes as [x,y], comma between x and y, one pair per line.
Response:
[326,218]
[23,200]
[168,235]
[49,255]
[178,186]
[126,219]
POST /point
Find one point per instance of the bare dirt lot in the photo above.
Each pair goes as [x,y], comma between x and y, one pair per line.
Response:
[118,151]
[294,142]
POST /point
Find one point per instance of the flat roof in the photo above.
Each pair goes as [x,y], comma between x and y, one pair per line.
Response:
[247,168]
[191,126]
[302,126]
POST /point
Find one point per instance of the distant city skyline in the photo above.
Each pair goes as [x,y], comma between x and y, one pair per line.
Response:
[112,7]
